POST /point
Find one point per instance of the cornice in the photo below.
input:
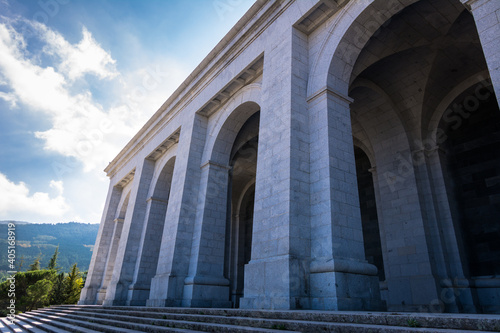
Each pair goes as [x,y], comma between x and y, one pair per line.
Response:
[240,37]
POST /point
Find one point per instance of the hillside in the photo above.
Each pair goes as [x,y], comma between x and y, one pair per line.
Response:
[75,240]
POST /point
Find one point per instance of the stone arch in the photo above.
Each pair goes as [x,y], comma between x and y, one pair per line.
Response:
[368,151]
[346,36]
[160,165]
[207,281]
[151,238]
[466,166]
[416,73]
[430,127]
[470,165]
[391,74]
[122,210]
[245,190]
[373,110]
[241,198]
[362,83]
[115,242]
[225,138]
[225,124]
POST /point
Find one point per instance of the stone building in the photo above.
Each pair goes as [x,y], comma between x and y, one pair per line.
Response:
[332,154]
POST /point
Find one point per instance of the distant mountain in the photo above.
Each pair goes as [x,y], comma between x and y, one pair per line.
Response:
[75,240]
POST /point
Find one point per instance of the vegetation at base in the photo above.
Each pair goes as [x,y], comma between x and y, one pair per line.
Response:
[74,242]
[42,287]
[412,322]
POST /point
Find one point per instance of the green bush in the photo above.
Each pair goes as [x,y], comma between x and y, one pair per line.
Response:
[42,287]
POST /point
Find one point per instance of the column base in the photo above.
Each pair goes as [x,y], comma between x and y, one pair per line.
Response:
[488,294]
[115,294]
[88,296]
[346,285]
[138,295]
[206,292]
[166,290]
[278,283]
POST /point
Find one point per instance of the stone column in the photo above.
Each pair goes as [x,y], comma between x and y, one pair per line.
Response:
[101,249]
[205,285]
[148,251]
[276,276]
[126,257]
[340,277]
[487,17]
[173,263]
[111,258]
[382,231]
[412,279]
[456,294]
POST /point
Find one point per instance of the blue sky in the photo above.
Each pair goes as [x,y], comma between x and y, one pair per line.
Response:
[77,80]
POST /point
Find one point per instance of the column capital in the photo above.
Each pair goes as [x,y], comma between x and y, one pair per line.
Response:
[157,200]
[211,164]
[332,93]
[469,3]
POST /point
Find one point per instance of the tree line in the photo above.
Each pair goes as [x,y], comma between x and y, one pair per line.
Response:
[40,287]
[75,241]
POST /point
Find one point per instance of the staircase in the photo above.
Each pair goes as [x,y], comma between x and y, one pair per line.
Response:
[88,318]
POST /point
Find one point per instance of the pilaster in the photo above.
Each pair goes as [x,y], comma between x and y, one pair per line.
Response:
[148,251]
[276,276]
[487,17]
[102,248]
[127,255]
[173,263]
[205,285]
[340,277]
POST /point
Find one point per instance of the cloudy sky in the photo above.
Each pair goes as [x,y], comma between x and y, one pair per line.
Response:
[78,78]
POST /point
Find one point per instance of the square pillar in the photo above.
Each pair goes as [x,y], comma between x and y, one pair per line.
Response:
[487,17]
[277,275]
[148,251]
[205,285]
[173,262]
[102,247]
[340,279]
[128,249]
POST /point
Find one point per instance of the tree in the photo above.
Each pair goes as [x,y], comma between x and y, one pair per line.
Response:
[73,285]
[38,294]
[21,263]
[57,295]
[53,259]
[35,266]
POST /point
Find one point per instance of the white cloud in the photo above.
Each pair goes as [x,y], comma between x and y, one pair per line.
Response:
[11,98]
[80,126]
[57,185]
[15,199]
[82,58]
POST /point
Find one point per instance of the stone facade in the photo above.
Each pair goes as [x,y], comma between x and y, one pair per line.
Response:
[333,154]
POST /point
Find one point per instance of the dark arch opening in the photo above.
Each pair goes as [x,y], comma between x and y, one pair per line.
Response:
[369,217]
[471,165]
[241,196]
[150,251]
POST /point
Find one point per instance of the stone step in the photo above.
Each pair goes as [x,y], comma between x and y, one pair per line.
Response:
[51,325]
[148,324]
[7,326]
[231,322]
[33,325]
[463,322]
